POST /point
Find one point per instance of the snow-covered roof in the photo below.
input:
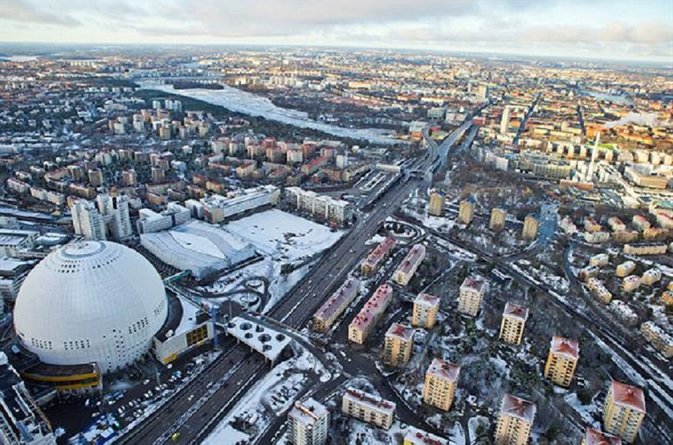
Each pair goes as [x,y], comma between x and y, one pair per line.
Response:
[373,402]
[427,300]
[565,346]
[262,339]
[516,311]
[308,412]
[444,370]
[517,407]
[628,396]
[415,436]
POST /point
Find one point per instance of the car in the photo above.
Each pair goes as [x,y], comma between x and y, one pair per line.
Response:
[175,436]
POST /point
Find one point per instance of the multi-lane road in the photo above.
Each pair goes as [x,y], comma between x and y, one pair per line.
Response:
[196,408]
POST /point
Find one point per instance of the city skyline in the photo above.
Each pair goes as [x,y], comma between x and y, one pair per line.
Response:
[600,30]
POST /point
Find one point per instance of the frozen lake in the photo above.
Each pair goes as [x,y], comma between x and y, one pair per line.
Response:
[251,104]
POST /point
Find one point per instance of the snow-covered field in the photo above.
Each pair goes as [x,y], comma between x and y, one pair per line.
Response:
[282,238]
[248,103]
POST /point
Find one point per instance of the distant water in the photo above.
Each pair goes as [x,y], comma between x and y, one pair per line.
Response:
[254,105]
[18,58]
[614,98]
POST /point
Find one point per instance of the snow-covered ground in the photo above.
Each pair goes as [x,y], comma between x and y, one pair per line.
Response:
[270,397]
[282,238]
[248,103]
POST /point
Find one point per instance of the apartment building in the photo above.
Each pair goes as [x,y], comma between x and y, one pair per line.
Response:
[645,249]
[513,323]
[398,344]
[625,269]
[530,227]
[407,268]
[365,321]
[441,381]
[561,361]
[309,423]
[597,287]
[465,211]
[320,206]
[595,437]
[600,260]
[660,339]
[414,436]
[436,203]
[425,311]
[651,276]
[471,293]
[514,421]
[497,221]
[331,309]
[631,283]
[377,256]
[624,411]
[368,408]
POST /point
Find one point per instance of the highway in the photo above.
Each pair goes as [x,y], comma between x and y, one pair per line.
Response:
[196,409]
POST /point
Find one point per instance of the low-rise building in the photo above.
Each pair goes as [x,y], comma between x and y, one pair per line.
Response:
[325,317]
[365,321]
[513,322]
[441,380]
[514,421]
[631,283]
[308,423]
[414,436]
[602,259]
[368,408]
[645,249]
[659,338]
[399,342]
[561,361]
[651,276]
[625,269]
[624,411]
[624,312]
[410,263]
[377,256]
[597,287]
[425,311]
[471,293]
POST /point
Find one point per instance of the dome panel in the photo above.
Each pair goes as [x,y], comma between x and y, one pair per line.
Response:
[92,301]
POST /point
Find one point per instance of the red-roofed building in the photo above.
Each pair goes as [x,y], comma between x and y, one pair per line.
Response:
[624,411]
[594,437]
[562,361]
[377,256]
[399,342]
[369,315]
[335,305]
[441,380]
[426,307]
[407,268]
[515,421]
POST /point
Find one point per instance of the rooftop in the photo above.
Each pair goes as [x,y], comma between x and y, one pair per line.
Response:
[595,437]
[308,411]
[415,436]
[374,402]
[517,407]
[428,300]
[565,346]
[400,331]
[474,283]
[627,395]
[443,369]
[516,311]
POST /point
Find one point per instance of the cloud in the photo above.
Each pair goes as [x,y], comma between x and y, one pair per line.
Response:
[24,11]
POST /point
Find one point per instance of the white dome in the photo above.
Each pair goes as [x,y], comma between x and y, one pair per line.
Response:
[89,302]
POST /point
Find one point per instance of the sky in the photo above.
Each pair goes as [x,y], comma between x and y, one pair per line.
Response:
[599,29]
